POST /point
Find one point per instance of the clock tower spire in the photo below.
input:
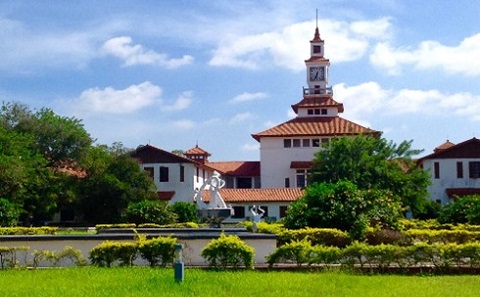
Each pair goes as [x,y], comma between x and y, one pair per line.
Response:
[317,67]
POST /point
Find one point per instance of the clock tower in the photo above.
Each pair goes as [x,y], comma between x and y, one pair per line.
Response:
[317,67]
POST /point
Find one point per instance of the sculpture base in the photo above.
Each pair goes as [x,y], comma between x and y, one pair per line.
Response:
[214,216]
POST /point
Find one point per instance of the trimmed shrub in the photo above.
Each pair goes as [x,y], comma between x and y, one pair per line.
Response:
[228,251]
[185,211]
[317,236]
[108,252]
[149,211]
[28,230]
[99,227]
[8,255]
[158,251]
[298,252]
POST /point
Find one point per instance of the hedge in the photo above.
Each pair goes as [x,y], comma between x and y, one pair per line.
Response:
[228,251]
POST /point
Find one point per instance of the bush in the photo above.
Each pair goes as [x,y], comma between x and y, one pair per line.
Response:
[158,251]
[28,230]
[9,213]
[108,252]
[298,252]
[149,211]
[317,236]
[8,255]
[462,210]
[228,251]
[185,211]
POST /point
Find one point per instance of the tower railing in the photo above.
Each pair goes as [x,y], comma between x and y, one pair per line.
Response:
[317,91]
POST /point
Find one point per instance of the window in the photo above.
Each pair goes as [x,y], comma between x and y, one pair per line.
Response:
[238,212]
[316,142]
[317,49]
[296,143]
[287,143]
[149,170]
[317,111]
[324,111]
[474,168]
[436,170]
[182,173]
[310,111]
[459,169]
[301,177]
[325,141]
[265,209]
[283,211]
[163,174]
[306,142]
[244,183]
[198,174]
[287,182]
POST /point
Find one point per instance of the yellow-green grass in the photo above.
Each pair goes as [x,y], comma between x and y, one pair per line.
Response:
[142,281]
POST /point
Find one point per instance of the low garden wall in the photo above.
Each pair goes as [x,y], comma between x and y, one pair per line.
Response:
[194,240]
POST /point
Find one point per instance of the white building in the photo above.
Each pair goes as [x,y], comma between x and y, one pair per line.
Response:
[286,152]
[454,170]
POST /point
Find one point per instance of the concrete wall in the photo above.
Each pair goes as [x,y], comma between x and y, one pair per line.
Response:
[263,244]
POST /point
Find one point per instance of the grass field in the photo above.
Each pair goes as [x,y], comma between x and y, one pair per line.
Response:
[142,281]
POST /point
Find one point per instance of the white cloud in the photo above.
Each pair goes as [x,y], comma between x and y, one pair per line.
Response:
[346,42]
[365,101]
[241,117]
[244,97]
[122,48]
[110,100]
[249,147]
[460,59]
[183,124]
[182,102]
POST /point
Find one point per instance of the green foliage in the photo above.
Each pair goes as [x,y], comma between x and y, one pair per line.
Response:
[342,205]
[99,227]
[464,209]
[9,213]
[158,251]
[28,231]
[8,255]
[264,227]
[109,252]
[372,163]
[185,211]
[113,182]
[317,236]
[228,251]
[149,211]
[298,252]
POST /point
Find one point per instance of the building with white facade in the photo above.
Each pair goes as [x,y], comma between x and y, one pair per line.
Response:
[286,152]
[454,170]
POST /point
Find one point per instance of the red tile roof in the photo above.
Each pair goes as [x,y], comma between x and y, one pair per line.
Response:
[316,59]
[257,195]
[444,146]
[467,149]
[318,101]
[165,195]
[315,126]
[197,151]
[237,168]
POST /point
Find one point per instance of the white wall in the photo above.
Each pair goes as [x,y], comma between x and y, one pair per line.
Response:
[276,159]
[448,177]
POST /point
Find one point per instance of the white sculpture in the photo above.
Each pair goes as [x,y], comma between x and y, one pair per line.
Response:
[214,184]
[257,213]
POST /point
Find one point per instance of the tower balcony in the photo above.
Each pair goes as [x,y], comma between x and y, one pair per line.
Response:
[318,91]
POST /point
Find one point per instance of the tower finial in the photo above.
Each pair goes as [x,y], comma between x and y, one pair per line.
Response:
[316,18]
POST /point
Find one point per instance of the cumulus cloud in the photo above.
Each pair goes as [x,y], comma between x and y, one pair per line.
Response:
[249,147]
[183,124]
[430,55]
[182,102]
[110,100]
[241,118]
[346,42]
[245,97]
[134,54]
[365,101]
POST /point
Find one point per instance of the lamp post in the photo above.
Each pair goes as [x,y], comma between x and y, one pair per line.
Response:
[179,266]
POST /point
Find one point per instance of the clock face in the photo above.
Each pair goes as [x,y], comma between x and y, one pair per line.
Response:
[317,73]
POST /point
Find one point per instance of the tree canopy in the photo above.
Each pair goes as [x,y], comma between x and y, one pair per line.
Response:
[373,163]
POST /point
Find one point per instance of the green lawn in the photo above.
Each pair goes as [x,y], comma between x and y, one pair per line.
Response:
[142,281]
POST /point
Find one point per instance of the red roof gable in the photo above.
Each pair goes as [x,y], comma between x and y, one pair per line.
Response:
[257,195]
[318,101]
[237,168]
[315,126]
[468,149]
[197,151]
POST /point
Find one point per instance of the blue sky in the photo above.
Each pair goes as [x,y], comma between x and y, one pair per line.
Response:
[174,73]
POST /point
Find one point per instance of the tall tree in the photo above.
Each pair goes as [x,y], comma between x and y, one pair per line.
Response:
[373,163]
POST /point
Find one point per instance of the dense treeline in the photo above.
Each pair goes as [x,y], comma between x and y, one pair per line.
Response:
[50,164]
